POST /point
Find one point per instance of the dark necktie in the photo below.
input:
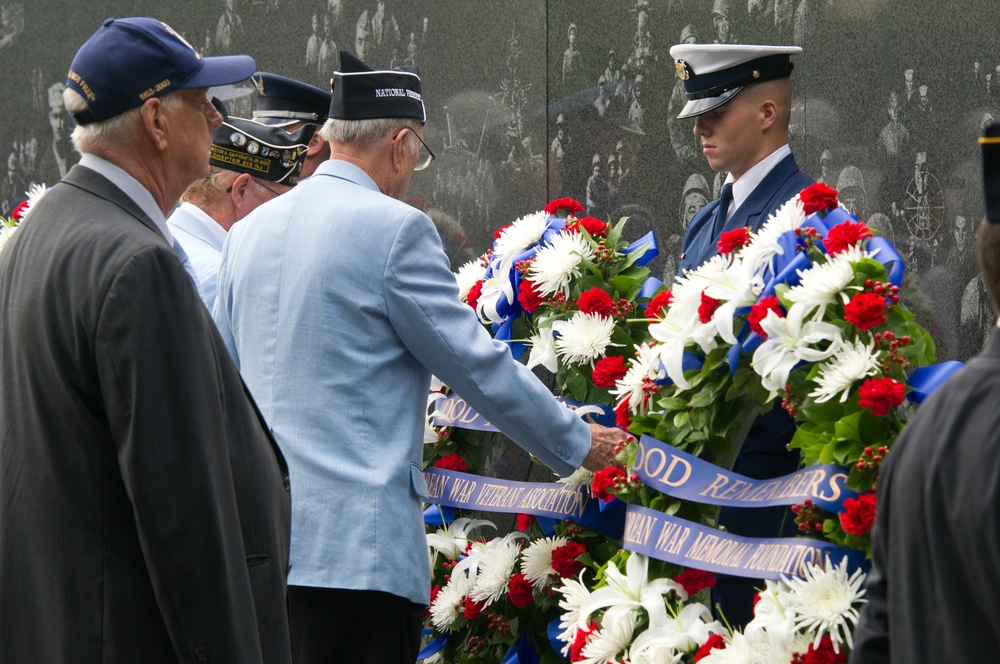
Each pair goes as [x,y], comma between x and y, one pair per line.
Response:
[725,198]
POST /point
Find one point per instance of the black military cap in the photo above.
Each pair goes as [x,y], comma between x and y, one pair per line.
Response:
[990,143]
[263,151]
[282,100]
[363,93]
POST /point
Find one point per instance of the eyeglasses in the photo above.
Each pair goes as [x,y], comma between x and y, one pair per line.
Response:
[423,160]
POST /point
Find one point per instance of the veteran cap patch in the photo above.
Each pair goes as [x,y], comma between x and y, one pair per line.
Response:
[264,151]
[363,93]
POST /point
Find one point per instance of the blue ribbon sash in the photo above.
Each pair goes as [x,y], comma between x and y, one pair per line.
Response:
[453,411]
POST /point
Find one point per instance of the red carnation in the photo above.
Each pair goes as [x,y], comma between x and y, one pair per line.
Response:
[825,654]
[434,593]
[660,301]
[758,312]
[732,240]
[498,232]
[604,480]
[707,307]
[844,236]
[594,226]
[473,608]
[608,371]
[524,522]
[865,311]
[714,642]
[519,591]
[563,207]
[564,559]
[595,301]
[580,642]
[451,462]
[472,298]
[859,514]
[623,417]
[817,197]
[20,211]
[880,394]
[528,295]
[695,580]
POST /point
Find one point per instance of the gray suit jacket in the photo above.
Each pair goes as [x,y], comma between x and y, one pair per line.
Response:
[144,507]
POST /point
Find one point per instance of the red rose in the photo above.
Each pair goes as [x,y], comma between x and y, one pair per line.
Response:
[707,307]
[498,232]
[451,462]
[472,298]
[844,236]
[817,197]
[519,591]
[608,371]
[623,418]
[564,559]
[758,312]
[660,301]
[825,653]
[524,522]
[563,207]
[732,240]
[580,642]
[473,608]
[695,580]
[20,211]
[865,311]
[604,480]
[880,394]
[713,642]
[595,301]
[859,514]
[594,226]
[528,295]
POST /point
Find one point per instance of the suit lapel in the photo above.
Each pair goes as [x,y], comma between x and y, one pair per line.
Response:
[763,196]
[92,182]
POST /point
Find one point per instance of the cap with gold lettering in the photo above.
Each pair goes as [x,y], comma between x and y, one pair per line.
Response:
[714,73]
[363,93]
[129,60]
[264,151]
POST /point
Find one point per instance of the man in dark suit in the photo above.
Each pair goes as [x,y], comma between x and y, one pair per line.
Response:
[936,541]
[145,507]
[741,99]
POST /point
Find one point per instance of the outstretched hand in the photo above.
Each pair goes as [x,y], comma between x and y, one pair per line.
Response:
[603,444]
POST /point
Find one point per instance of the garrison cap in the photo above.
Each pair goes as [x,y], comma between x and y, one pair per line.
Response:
[283,101]
[363,93]
[990,143]
[263,151]
[129,60]
[714,73]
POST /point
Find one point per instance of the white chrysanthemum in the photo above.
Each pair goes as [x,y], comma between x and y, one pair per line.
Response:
[826,601]
[467,277]
[610,641]
[852,362]
[763,247]
[536,560]
[558,262]
[583,338]
[574,594]
[543,350]
[790,341]
[642,370]
[496,568]
[820,285]
[450,602]
[581,478]
[520,236]
[737,651]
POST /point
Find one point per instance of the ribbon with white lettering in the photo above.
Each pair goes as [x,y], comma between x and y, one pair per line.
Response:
[687,543]
[682,475]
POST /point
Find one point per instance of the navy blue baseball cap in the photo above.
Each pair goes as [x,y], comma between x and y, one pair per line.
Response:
[129,60]
[363,93]
[282,100]
[714,73]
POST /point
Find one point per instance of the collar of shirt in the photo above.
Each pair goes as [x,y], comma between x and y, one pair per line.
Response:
[211,224]
[132,188]
[743,187]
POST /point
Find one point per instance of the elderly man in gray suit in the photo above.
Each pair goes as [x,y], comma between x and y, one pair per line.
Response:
[144,507]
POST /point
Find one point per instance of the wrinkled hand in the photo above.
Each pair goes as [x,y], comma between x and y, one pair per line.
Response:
[602,447]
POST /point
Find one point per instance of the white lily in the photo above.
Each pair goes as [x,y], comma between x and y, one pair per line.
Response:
[543,350]
[790,341]
[625,593]
[452,541]
[686,630]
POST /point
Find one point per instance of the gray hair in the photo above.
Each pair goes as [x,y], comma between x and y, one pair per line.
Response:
[363,133]
[118,131]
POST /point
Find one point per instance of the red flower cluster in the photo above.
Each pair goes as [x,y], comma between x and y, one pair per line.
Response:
[707,307]
[473,608]
[659,302]
[817,197]
[732,240]
[881,394]
[519,591]
[528,295]
[20,211]
[695,580]
[608,371]
[713,642]
[564,559]
[595,301]
[623,418]
[498,232]
[594,226]
[843,236]
[472,299]
[859,514]
[524,522]
[824,654]
[758,312]
[582,635]
[604,480]
[563,207]
[451,462]
[865,311]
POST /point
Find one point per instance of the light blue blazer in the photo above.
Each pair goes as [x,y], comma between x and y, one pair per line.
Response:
[203,249]
[338,304]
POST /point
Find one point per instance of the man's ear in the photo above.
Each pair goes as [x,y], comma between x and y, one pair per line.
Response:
[154,121]
[239,188]
[768,113]
[315,144]
[400,149]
